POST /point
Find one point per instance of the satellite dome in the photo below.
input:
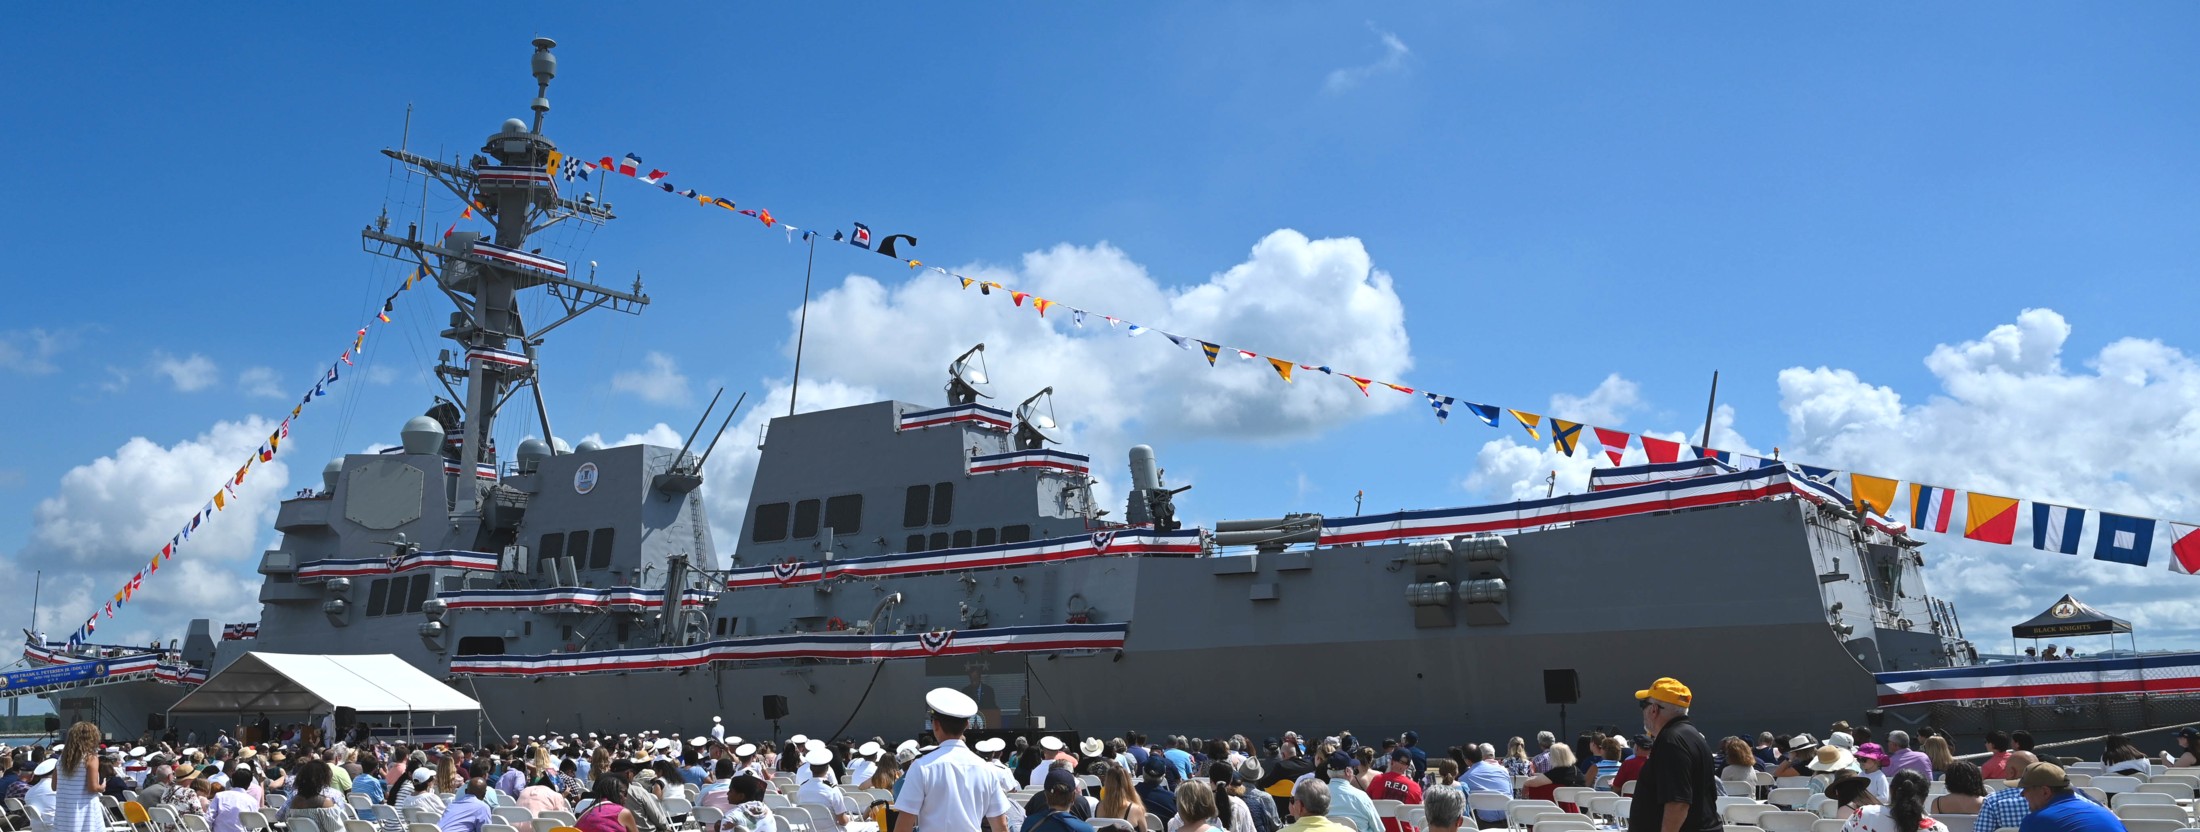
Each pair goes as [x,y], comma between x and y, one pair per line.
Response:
[329,473]
[531,454]
[560,445]
[422,435]
[513,125]
[587,445]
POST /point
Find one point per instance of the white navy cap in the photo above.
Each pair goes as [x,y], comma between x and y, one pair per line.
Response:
[137,752]
[717,719]
[870,749]
[663,743]
[950,702]
[699,742]
[798,739]
[46,767]
[813,745]
[906,745]
[1051,743]
[744,749]
[734,740]
[990,745]
[818,757]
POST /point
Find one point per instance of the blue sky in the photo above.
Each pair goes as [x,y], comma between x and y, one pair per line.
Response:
[1554,194]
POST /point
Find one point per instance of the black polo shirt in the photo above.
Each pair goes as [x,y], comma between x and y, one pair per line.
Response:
[1680,770]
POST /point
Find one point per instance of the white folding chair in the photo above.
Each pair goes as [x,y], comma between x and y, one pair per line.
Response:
[2174,789]
[359,826]
[2114,784]
[1737,788]
[252,821]
[2154,811]
[1600,806]
[2141,825]
[1746,814]
[195,823]
[1957,823]
[1571,795]
[1836,824]
[1787,821]
[1479,802]
[1564,826]
[2136,798]
[1723,801]
[1788,797]
[1117,824]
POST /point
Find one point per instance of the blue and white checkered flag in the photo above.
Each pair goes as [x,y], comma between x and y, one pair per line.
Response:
[1442,404]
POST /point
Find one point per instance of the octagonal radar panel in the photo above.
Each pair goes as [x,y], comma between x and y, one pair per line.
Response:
[383,494]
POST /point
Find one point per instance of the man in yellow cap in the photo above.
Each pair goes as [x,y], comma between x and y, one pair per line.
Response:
[1679,789]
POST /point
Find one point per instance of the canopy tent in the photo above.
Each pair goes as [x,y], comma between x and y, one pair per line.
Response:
[2071,617]
[304,684]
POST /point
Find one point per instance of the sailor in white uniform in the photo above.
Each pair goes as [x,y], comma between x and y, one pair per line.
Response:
[718,728]
[865,763]
[951,789]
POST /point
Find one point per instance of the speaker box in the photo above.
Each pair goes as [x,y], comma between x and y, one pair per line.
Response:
[156,723]
[775,707]
[346,718]
[53,724]
[1561,687]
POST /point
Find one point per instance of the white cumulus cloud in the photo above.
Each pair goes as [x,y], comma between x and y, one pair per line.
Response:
[262,382]
[31,351]
[189,374]
[110,517]
[658,381]
[2011,419]
[1395,55]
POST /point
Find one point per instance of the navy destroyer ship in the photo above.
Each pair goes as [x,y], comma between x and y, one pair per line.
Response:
[892,547]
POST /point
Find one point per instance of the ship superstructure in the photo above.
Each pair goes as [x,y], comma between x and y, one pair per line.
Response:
[894,546]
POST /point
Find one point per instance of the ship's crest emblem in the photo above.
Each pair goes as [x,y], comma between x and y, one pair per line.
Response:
[786,571]
[2065,609]
[935,642]
[1102,540]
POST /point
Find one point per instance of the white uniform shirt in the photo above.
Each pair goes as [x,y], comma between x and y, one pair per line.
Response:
[952,790]
[860,770]
[718,731]
[814,791]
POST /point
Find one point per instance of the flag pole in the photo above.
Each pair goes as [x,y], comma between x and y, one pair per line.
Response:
[1708,408]
[802,327]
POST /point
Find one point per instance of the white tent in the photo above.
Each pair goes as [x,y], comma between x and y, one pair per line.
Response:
[304,684]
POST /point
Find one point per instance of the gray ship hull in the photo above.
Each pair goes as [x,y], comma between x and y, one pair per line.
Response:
[1622,602]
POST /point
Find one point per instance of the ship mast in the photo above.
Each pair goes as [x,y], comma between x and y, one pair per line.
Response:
[515,187]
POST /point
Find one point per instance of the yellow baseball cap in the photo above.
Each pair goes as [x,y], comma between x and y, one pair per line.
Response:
[1669,691]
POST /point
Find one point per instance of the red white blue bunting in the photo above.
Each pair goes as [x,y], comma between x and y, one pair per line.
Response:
[1039,460]
[822,646]
[1134,541]
[570,598]
[972,414]
[325,569]
[2171,673]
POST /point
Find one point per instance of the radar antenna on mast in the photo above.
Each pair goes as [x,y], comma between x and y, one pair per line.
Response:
[512,183]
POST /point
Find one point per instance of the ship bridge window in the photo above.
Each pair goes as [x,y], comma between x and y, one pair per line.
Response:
[985,537]
[844,514]
[770,523]
[421,585]
[480,646]
[552,548]
[916,543]
[962,539]
[943,503]
[1015,534]
[916,509]
[378,594]
[577,543]
[600,557]
[805,519]
[938,541]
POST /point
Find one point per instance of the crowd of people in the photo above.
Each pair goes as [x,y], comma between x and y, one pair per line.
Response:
[1288,783]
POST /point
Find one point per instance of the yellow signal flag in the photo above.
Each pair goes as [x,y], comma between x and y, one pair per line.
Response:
[1876,493]
[1528,421]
